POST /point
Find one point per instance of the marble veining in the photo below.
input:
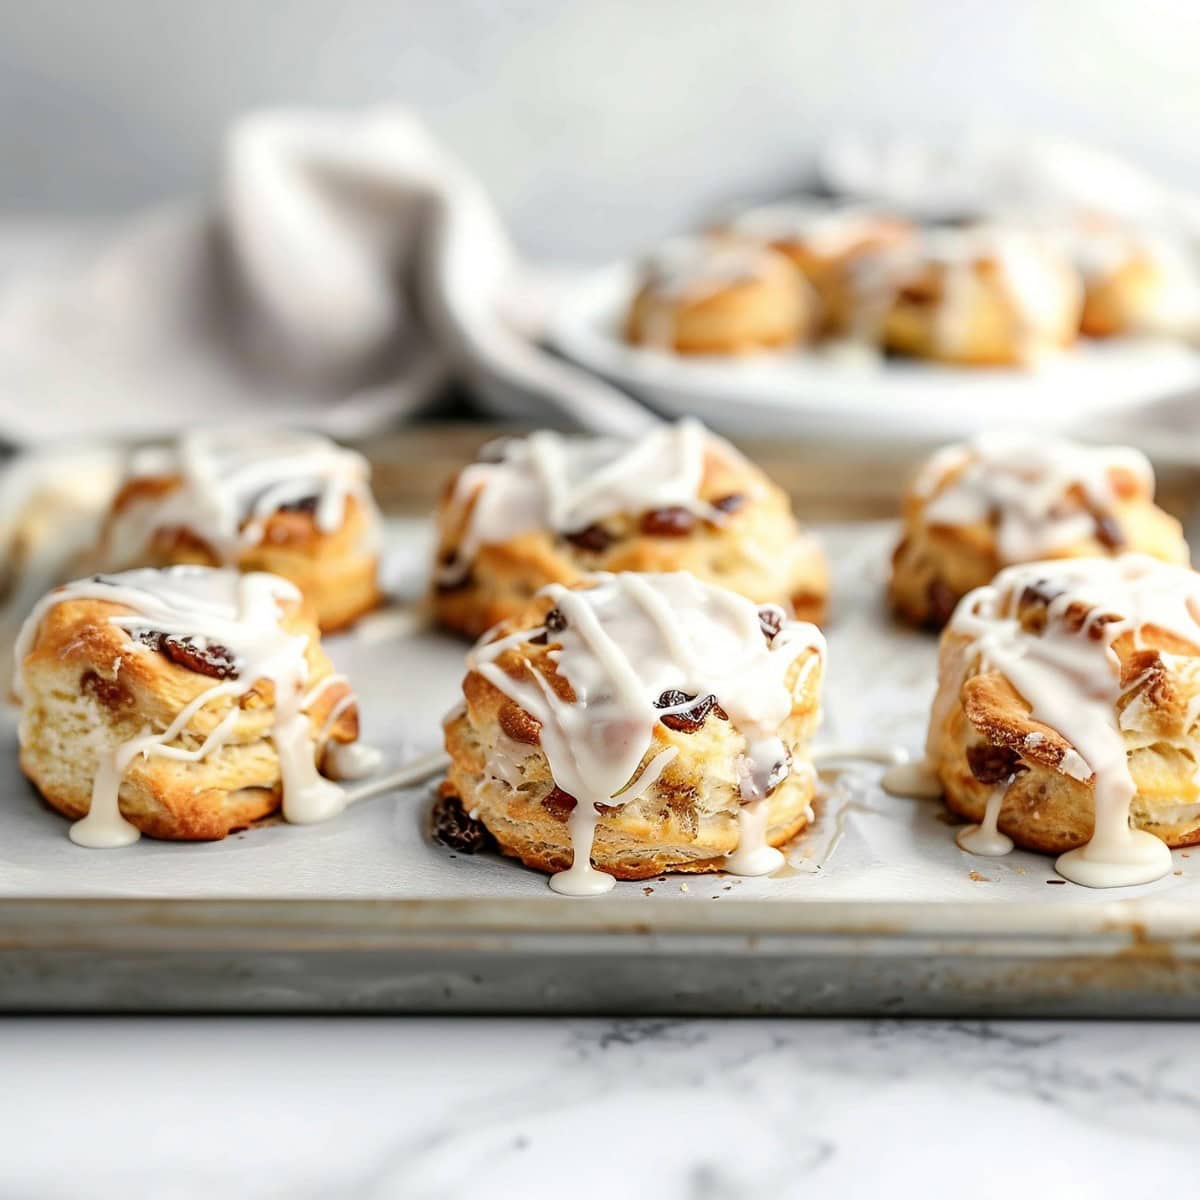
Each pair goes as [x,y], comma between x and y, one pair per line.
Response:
[695,1110]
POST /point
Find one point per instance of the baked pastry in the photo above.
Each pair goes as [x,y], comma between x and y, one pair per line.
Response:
[290,504]
[643,723]
[182,703]
[719,296]
[831,246]
[52,504]
[552,509]
[1135,284]
[978,296]
[1007,498]
[1066,714]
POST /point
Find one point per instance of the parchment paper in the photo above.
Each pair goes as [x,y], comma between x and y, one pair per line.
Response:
[865,845]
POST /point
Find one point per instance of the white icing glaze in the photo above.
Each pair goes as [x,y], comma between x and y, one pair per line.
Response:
[352,760]
[1070,680]
[231,485]
[628,639]
[209,608]
[1023,482]
[985,839]
[912,781]
[565,484]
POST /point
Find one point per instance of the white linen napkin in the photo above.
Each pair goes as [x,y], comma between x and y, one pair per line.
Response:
[348,270]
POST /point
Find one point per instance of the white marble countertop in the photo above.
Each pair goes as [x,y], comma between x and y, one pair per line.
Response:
[375,1108]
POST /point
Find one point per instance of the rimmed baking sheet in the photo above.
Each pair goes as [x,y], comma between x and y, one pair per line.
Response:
[377,911]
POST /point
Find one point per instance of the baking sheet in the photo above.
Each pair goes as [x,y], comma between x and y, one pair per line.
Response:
[865,845]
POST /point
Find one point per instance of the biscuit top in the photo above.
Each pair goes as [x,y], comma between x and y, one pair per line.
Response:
[694,268]
[824,228]
[219,623]
[566,484]
[1051,630]
[229,486]
[635,650]
[1041,494]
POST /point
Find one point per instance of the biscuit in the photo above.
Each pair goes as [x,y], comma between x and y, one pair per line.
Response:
[1068,694]
[288,504]
[641,723]
[182,703]
[551,509]
[1007,498]
[720,296]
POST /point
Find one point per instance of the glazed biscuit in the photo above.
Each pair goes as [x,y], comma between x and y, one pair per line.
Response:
[295,506]
[1067,701]
[690,753]
[1008,498]
[978,297]
[184,703]
[720,296]
[549,509]
[832,247]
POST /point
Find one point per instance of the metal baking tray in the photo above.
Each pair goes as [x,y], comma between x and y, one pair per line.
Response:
[877,910]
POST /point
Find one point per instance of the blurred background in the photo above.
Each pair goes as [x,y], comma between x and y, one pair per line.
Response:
[597,126]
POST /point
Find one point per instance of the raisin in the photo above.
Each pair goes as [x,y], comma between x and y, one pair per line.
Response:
[692,718]
[108,692]
[770,621]
[942,603]
[593,538]
[993,764]
[730,503]
[558,804]
[668,522]
[455,828]
[306,504]
[1108,532]
[555,622]
[213,660]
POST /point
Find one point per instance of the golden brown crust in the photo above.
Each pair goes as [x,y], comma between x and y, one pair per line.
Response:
[1119,302]
[982,731]
[91,687]
[337,572]
[686,821]
[757,551]
[934,566]
[770,310]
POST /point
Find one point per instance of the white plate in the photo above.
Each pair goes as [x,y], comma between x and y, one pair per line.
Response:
[863,395]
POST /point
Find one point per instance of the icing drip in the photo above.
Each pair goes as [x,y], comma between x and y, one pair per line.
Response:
[986,839]
[912,781]
[207,608]
[1070,678]
[547,481]
[1026,485]
[232,486]
[626,641]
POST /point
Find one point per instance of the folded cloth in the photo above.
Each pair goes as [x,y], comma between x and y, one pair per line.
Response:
[349,270]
